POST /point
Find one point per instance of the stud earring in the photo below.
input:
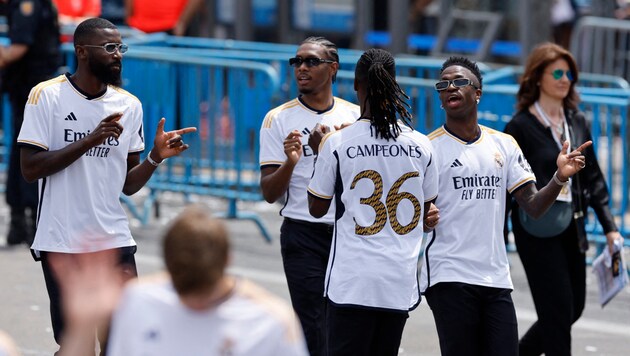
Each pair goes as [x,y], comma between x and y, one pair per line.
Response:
[441,106]
[477,101]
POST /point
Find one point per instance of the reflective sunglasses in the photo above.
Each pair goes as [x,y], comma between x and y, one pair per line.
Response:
[111,48]
[558,73]
[457,83]
[310,61]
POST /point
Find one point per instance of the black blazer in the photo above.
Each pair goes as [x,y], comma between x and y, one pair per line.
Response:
[541,151]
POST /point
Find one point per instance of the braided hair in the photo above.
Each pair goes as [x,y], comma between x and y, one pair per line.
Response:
[377,70]
[330,48]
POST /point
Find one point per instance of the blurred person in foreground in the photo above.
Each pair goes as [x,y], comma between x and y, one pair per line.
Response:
[194,309]
[81,139]
[32,57]
[289,138]
[383,177]
[555,265]
[7,345]
[466,274]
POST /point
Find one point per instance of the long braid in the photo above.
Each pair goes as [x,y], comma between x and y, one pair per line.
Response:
[387,101]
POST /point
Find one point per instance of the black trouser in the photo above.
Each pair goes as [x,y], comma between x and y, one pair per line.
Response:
[556,272]
[474,320]
[126,260]
[305,248]
[363,332]
[19,193]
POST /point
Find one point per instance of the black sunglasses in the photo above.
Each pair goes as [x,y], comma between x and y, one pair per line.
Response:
[310,61]
[110,48]
[457,83]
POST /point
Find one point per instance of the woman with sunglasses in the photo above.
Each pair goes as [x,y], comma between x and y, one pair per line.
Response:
[555,265]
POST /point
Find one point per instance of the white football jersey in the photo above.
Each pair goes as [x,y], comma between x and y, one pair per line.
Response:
[151,320]
[467,245]
[380,188]
[79,208]
[279,122]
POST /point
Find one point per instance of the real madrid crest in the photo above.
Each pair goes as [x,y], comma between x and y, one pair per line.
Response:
[498,160]
[26,8]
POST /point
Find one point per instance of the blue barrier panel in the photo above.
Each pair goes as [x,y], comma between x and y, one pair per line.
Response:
[458,45]
[220,162]
[6,136]
[226,97]
[589,83]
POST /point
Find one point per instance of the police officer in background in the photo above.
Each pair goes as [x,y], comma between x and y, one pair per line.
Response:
[32,57]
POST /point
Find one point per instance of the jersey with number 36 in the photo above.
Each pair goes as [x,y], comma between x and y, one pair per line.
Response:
[379,188]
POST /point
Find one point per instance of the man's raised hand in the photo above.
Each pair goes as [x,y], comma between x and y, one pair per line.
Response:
[169,144]
[572,162]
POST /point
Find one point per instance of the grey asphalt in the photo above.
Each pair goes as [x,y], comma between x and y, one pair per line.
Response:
[24,303]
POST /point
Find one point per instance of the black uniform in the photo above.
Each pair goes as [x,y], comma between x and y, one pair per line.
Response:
[32,23]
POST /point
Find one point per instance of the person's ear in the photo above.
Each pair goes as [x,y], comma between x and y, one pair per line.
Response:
[80,52]
[334,68]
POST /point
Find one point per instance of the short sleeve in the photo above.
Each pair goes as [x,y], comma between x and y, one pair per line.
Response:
[519,172]
[431,181]
[137,138]
[35,128]
[271,142]
[322,183]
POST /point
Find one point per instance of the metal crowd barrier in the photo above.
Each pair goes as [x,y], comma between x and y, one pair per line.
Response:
[227,96]
[602,45]
[225,100]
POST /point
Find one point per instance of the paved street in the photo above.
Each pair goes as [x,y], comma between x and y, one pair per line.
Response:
[24,304]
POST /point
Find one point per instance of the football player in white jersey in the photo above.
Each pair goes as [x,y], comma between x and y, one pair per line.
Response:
[465,276]
[382,175]
[82,138]
[286,165]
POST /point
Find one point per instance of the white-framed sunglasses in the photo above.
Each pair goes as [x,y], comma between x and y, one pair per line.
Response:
[111,48]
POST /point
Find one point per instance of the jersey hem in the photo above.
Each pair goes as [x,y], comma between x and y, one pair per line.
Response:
[474,283]
[367,307]
[33,144]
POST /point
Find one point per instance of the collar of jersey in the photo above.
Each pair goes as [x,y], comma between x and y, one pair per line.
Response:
[461,140]
[319,112]
[82,93]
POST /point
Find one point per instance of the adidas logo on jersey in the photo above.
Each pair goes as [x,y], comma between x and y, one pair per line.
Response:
[456,163]
[306,131]
[71,117]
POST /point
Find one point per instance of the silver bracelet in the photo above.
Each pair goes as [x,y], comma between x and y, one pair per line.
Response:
[557,180]
[153,163]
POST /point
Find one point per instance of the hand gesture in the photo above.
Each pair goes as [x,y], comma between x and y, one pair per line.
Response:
[571,163]
[611,237]
[108,128]
[431,218]
[293,146]
[91,285]
[169,144]
[318,132]
[342,126]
